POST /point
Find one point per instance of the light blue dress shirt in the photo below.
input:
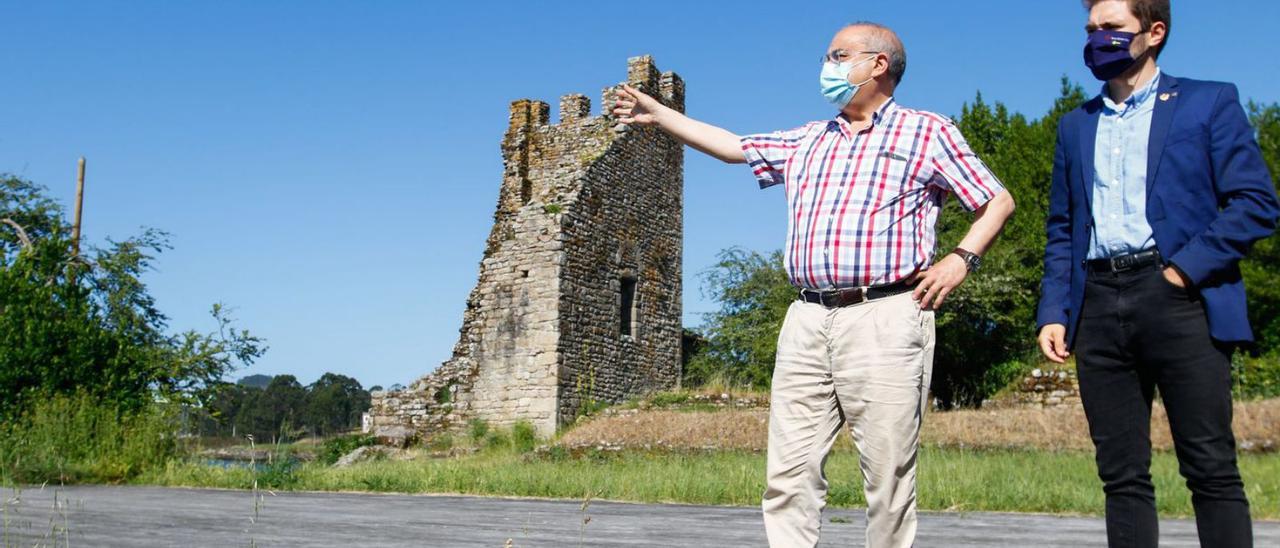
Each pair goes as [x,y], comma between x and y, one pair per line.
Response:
[1120,174]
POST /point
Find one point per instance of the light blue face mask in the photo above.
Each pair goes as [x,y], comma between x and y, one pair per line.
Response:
[835,82]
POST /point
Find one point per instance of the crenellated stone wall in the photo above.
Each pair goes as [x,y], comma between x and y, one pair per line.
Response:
[589,219]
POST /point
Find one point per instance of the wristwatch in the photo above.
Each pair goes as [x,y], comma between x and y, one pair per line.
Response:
[971,260]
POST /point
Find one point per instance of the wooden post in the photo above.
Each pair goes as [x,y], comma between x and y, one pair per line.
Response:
[75,227]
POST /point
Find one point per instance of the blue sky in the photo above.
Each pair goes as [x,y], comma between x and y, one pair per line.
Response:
[330,169]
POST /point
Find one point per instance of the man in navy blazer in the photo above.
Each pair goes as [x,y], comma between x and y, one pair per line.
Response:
[1159,189]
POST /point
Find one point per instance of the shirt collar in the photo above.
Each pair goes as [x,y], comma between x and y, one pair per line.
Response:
[876,117]
[1138,97]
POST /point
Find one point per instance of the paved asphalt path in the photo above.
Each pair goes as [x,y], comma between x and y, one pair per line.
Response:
[93,516]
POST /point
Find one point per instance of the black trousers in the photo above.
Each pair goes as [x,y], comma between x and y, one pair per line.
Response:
[1138,332]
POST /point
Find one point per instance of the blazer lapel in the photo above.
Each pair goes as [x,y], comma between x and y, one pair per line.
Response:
[1161,118]
[1088,140]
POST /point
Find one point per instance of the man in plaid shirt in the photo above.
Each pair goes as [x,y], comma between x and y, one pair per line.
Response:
[864,191]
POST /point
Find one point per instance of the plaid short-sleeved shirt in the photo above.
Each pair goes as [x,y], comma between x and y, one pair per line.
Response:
[862,206]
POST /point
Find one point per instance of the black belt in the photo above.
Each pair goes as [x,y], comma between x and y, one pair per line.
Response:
[837,298]
[1125,263]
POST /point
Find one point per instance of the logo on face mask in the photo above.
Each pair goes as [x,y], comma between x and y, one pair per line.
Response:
[835,82]
[1107,53]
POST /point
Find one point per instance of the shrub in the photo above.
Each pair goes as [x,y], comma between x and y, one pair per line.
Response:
[477,429]
[80,438]
[668,399]
[592,406]
[337,447]
[524,437]
[281,472]
[440,442]
[497,439]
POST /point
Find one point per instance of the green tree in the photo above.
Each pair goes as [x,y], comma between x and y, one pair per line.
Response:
[1262,267]
[332,404]
[335,403]
[986,330]
[223,407]
[741,339]
[85,322]
[277,411]
[247,420]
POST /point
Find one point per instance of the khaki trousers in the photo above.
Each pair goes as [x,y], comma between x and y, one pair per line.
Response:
[866,365]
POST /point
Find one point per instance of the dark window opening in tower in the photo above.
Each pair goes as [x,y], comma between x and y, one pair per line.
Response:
[627,309]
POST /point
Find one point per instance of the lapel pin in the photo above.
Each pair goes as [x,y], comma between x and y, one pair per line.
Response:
[1164,96]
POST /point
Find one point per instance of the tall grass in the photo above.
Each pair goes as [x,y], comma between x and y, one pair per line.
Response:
[950,479]
[77,438]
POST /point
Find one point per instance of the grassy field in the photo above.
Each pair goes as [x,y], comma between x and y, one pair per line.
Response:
[682,448]
[951,479]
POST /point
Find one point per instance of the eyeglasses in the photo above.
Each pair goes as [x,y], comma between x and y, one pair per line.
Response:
[838,56]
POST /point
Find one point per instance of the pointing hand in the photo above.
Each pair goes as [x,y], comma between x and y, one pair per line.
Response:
[634,107]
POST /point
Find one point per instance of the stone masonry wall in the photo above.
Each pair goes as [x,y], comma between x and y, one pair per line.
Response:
[583,205]
[1043,388]
[625,223]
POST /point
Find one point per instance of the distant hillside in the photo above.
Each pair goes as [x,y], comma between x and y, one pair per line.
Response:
[255,381]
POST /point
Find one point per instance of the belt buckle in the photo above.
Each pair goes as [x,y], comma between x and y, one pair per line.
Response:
[837,298]
[857,295]
[805,292]
[1121,263]
[822,299]
[830,298]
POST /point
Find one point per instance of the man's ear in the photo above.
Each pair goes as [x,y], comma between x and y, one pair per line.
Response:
[1156,34]
[882,65]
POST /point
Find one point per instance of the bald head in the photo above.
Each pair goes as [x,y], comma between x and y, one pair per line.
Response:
[868,36]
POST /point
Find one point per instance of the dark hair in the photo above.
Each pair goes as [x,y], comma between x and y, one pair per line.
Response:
[1148,12]
[884,40]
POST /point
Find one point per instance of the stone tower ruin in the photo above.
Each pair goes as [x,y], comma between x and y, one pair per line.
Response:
[578,300]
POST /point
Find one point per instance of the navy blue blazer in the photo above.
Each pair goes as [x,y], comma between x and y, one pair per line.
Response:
[1209,197]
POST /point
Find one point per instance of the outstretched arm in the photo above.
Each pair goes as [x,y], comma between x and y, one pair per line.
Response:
[634,107]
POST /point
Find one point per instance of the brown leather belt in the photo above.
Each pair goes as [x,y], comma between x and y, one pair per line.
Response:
[836,298]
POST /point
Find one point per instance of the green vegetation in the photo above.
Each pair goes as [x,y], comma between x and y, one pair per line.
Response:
[94,388]
[951,479]
[1256,377]
[283,408]
[523,437]
[741,339]
[334,448]
[478,430]
[91,381]
[85,321]
[1262,268]
[70,438]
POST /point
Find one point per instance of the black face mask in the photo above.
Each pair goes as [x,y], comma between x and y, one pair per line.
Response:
[1107,53]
